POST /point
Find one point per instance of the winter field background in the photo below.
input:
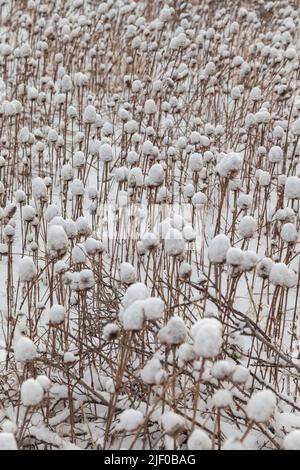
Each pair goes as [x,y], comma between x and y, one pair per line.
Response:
[149,219]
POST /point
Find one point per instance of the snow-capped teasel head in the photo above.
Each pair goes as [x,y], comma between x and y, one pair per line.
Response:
[137,291]
[106,153]
[218,248]
[222,398]
[150,371]
[264,267]
[8,441]
[44,381]
[275,154]
[234,256]
[25,350]
[292,187]
[39,190]
[199,440]
[289,233]
[174,242]
[57,239]
[156,175]
[150,241]
[207,335]
[247,227]
[261,406]
[32,393]
[133,317]
[153,308]
[172,423]
[89,115]
[127,273]
[27,269]
[57,314]
[174,333]
[229,165]
[282,275]
[130,420]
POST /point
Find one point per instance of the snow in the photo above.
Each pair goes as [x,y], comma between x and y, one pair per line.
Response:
[247,227]
[150,371]
[199,440]
[218,248]
[292,440]
[281,275]
[127,273]
[172,423]
[137,291]
[7,441]
[27,269]
[31,392]
[261,406]
[222,398]
[208,338]
[174,243]
[25,350]
[57,239]
[130,420]
[149,212]
[57,314]
[292,187]
[153,308]
[133,316]
[174,332]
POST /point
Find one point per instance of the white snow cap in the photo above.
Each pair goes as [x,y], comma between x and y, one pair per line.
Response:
[153,308]
[150,371]
[207,334]
[57,238]
[281,275]
[230,164]
[27,269]
[186,353]
[130,420]
[174,332]
[247,227]
[261,406]
[150,107]
[57,314]
[174,242]
[218,248]
[172,423]
[235,256]
[292,187]
[31,392]
[275,154]
[133,316]
[289,233]
[240,374]
[44,381]
[89,115]
[7,441]
[106,153]
[25,350]
[292,440]
[222,398]
[127,273]
[39,190]
[199,440]
[137,291]
[156,175]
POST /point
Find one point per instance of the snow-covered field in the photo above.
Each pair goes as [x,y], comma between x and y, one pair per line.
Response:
[149,224]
